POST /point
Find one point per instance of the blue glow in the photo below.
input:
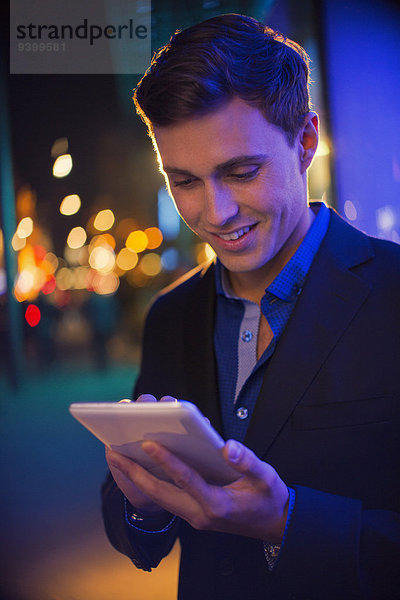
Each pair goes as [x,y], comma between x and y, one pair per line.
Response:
[170,259]
[168,219]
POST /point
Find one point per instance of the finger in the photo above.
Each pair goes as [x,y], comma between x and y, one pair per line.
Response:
[243,460]
[168,399]
[164,494]
[146,398]
[125,401]
[183,476]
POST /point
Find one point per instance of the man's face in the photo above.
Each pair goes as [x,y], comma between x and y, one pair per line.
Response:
[238,185]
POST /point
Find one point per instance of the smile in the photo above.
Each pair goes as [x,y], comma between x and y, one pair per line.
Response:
[235,235]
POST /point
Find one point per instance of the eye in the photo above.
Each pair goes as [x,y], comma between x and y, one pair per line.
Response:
[245,173]
[182,182]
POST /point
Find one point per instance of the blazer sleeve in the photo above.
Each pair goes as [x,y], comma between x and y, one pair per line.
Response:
[335,549]
[145,548]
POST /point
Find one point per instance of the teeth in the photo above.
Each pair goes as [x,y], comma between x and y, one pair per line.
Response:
[235,235]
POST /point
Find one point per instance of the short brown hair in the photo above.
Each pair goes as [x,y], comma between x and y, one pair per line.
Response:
[204,66]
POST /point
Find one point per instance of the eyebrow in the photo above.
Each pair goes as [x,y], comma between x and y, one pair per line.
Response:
[225,166]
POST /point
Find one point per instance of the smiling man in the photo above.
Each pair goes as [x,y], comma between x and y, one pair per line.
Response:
[288,343]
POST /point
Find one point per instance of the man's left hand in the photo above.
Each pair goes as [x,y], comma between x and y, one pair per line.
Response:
[255,505]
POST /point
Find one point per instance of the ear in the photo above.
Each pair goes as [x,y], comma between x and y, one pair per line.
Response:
[308,140]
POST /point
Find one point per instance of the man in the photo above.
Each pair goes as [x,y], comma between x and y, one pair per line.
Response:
[289,343]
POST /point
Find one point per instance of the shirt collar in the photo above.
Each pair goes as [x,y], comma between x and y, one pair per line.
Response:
[288,283]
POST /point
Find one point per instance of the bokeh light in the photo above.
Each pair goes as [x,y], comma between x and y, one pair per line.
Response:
[105,284]
[24,284]
[170,259]
[350,210]
[105,239]
[62,165]
[18,243]
[104,220]
[102,259]
[32,315]
[137,241]
[154,237]
[64,278]
[25,228]
[70,205]
[49,286]
[76,237]
[52,260]
[322,148]
[127,259]
[150,264]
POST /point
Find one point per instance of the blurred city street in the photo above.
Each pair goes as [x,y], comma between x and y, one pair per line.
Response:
[53,543]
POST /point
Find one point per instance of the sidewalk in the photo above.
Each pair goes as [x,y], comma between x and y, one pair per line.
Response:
[53,544]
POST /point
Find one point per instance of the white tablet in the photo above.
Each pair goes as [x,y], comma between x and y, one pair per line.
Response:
[179,426]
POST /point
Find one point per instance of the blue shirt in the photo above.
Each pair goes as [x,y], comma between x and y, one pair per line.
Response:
[240,374]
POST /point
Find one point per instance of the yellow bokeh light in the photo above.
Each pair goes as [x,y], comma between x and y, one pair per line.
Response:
[106,240]
[102,259]
[25,281]
[47,267]
[81,275]
[322,148]
[104,220]
[127,259]
[26,258]
[17,243]
[62,165]
[25,228]
[151,264]
[137,241]
[76,237]
[64,278]
[154,237]
[109,240]
[29,281]
[70,205]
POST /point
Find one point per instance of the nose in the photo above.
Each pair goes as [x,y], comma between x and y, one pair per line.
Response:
[220,206]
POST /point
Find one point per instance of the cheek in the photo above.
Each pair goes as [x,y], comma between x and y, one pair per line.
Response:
[188,211]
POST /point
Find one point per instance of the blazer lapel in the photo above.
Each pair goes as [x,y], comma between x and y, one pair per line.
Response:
[331,297]
[199,360]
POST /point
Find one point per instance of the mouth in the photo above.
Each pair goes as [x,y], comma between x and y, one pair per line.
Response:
[234,235]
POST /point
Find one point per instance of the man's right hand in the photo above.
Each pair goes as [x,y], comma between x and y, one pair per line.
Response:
[133,494]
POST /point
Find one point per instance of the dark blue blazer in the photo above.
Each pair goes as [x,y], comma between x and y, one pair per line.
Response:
[327,419]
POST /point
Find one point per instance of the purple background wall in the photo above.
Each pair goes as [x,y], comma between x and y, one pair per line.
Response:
[362,46]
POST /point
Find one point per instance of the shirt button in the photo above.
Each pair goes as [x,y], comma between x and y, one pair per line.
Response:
[242,413]
[246,335]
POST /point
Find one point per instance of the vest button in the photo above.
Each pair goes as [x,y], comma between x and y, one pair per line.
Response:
[247,335]
[242,413]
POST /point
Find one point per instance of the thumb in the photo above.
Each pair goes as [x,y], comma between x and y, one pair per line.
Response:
[242,459]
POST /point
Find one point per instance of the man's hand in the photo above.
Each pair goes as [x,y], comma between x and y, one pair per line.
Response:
[138,499]
[255,505]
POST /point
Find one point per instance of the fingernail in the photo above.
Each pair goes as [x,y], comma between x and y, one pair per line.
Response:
[149,447]
[234,450]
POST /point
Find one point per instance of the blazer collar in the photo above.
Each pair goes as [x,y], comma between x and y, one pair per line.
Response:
[331,296]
